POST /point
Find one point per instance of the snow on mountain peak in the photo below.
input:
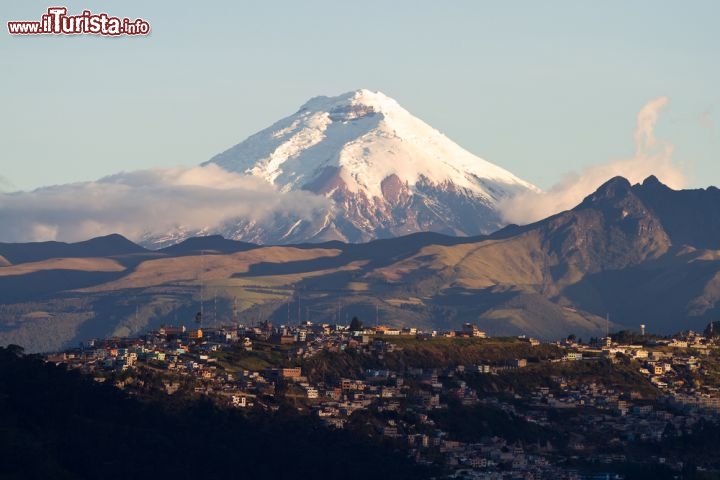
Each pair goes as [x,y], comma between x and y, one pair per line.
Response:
[375,101]
[360,139]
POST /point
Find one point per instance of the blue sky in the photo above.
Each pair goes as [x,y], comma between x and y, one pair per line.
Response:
[539,88]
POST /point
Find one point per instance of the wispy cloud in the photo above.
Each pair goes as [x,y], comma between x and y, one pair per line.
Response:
[5,184]
[146,201]
[706,120]
[653,156]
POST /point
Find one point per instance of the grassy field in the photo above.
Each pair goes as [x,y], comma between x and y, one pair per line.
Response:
[449,351]
[77,264]
[263,356]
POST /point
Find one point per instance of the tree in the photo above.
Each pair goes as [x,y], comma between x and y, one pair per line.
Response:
[356,325]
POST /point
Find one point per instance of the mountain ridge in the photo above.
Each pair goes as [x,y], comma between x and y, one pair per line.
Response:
[638,253]
[107,245]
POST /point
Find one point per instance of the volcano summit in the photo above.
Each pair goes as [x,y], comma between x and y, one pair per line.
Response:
[385,173]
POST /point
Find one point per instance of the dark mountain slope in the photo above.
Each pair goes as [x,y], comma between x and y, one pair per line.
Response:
[107,246]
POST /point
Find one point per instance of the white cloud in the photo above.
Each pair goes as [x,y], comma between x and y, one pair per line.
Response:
[155,201]
[652,157]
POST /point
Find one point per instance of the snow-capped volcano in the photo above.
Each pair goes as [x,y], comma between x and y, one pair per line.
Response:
[386,172]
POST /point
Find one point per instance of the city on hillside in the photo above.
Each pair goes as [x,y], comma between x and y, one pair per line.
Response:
[470,405]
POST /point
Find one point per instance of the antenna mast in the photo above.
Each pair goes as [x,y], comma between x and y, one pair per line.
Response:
[202,284]
[235,311]
[607,325]
[201,313]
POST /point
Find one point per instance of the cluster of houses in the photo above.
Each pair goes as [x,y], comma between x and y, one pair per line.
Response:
[404,401]
[674,366]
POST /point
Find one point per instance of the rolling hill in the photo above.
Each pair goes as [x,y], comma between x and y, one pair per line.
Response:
[634,253]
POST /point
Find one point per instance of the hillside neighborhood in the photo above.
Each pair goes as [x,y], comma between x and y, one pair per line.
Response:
[545,410]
